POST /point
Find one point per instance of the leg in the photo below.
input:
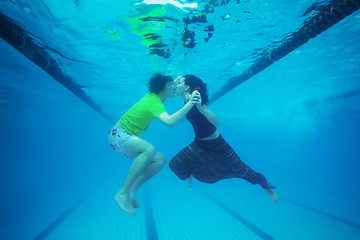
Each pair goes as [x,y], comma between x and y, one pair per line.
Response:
[145,153]
[245,172]
[181,163]
[157,163]
[257,178]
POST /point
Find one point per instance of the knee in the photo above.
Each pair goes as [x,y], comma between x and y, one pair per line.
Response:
[150,151]
[160,159]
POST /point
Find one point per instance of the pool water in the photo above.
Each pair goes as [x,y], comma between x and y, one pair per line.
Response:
[296,121]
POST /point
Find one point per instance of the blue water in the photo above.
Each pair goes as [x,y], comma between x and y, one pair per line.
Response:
[292,122]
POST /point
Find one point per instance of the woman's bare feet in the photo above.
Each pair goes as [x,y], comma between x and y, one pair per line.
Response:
[124,202]
[269,189]
[273,195]
[133,200]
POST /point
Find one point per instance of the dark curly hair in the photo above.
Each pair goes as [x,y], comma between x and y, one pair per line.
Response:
[196,83]
[157,82]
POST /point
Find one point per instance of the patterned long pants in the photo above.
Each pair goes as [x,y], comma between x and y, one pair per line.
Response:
[210,161]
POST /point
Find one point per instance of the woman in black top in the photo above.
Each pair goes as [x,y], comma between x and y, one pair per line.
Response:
[209,158]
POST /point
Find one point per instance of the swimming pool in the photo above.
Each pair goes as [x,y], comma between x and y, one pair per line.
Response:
[296,120]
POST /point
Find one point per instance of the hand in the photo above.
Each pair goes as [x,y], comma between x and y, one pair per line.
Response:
[195,97]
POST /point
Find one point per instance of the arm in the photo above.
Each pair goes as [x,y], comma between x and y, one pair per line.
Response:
[173,119]
[208,114]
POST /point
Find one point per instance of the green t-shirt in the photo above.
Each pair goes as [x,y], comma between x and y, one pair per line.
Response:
[137,119]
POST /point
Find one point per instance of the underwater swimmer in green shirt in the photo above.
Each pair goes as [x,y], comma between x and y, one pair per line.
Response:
[124,137]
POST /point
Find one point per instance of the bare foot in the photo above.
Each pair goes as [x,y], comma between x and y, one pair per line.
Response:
[124,203]
[273,195]
[191,180]
[133,200]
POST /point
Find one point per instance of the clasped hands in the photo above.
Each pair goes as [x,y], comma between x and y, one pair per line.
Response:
[195,97]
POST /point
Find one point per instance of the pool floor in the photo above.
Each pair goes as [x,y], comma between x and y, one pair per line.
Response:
[226,210]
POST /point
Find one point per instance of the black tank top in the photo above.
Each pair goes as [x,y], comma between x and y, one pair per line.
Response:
[202,127]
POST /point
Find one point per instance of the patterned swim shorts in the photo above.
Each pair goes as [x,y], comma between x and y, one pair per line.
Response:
[117,138]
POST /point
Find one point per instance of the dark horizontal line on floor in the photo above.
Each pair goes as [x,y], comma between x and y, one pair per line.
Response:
[262,234]
[49,229]
[352,224]
[357,198]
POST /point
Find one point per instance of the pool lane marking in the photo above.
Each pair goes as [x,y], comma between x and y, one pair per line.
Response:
[262,234]
[49,229]
[151,232]
[333,217]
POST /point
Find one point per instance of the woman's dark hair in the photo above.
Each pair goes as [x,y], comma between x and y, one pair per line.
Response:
[157,82]
[196,83]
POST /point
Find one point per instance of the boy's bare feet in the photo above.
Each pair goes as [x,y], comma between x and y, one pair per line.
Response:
[133,200]
[124,202]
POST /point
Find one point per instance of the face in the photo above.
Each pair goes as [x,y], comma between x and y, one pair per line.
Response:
[181,87]
[169,89]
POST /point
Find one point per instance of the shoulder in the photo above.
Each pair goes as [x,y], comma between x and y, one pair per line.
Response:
[152,97]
